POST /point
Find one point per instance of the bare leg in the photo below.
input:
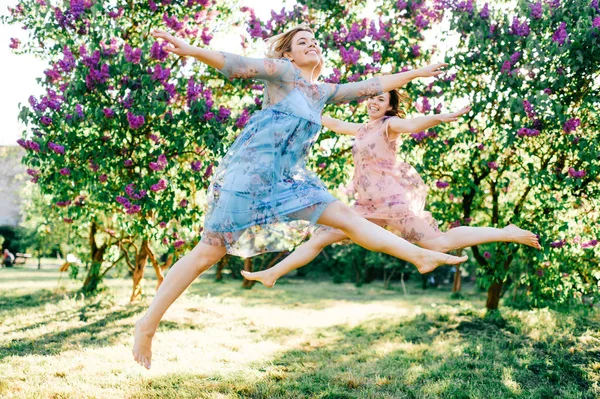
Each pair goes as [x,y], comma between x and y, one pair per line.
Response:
[179,277]
[466,236]
[376,238]
[300,257]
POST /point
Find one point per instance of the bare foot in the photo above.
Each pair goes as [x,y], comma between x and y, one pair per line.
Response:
[521,236]
[142,344]
[264,277]
[434,259]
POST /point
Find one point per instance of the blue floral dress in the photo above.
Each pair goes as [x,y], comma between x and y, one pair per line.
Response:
[262,198]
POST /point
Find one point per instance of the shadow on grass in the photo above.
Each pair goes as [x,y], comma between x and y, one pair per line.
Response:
[429,356]
[98,325]
[28,301]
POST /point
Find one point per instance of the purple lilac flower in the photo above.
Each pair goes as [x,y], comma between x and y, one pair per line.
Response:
[158,52]
[589,244]
[116,14]
[161,185]
[65,171]
[571,125]
[160,164]
[525,132]
[67,64]
[441,184]
[154,138]
[162,225]
[401,5]
[132,55]
[416,50]
[425,106]
[102,178]
[536,10]
[183,203]
[79,110]
[596,22]
[485,12]
[63,203]
[558,244]
[554,3]
[376,56]
[196,166]
[350,56]
[108,113]
[516,56]
[223,114]
[594,5]
[128,163]
[492,165]
[548,91]
[178,243]
[520,28]
[528,109]
[159,73]
[561,34]
[209,171]
[243,119]
[577,174]
[505,67]
[135,121]
[208,116]
[487,255]
[59,149]
[46,120]
[135,208]
[14,43]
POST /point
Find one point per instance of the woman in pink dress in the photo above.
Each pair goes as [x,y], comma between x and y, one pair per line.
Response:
[391,193]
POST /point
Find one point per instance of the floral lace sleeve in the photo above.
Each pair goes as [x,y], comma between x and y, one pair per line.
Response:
[359,91]
[237,66]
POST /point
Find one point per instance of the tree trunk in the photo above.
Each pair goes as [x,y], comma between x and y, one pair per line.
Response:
[493,298]
[141,260]
[249,268]
[402,283]
[457,280]
[157,268]
[220,266]
[93,277]
[386,279]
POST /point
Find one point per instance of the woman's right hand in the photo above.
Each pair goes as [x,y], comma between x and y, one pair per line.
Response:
[176,45]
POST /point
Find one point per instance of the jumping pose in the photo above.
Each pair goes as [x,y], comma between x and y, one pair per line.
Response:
[262,192]
[391,193]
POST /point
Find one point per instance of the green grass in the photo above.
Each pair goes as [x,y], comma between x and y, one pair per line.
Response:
[301,339]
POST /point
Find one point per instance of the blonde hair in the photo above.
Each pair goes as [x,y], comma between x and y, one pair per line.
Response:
[280,44]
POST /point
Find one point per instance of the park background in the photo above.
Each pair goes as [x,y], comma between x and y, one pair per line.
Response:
[117,143]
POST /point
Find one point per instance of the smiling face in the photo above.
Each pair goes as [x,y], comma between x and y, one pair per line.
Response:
[305,51]
[378,105]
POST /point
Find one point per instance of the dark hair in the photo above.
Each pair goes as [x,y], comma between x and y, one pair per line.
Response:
[400,103]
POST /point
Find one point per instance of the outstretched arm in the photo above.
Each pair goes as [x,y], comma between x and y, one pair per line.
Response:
[340,127]
[397,80]
[231,65]
[340,93]
[413,125]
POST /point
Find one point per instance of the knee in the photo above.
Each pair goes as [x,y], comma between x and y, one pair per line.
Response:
[203,259]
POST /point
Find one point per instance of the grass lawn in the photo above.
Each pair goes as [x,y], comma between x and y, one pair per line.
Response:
[301,339]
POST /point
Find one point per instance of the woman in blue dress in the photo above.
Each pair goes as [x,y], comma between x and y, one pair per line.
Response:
[262,197]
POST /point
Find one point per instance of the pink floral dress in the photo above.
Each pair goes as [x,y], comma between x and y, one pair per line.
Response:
[387,191]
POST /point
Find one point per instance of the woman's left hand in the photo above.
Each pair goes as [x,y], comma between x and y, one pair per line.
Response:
[432,70]
[451,117]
